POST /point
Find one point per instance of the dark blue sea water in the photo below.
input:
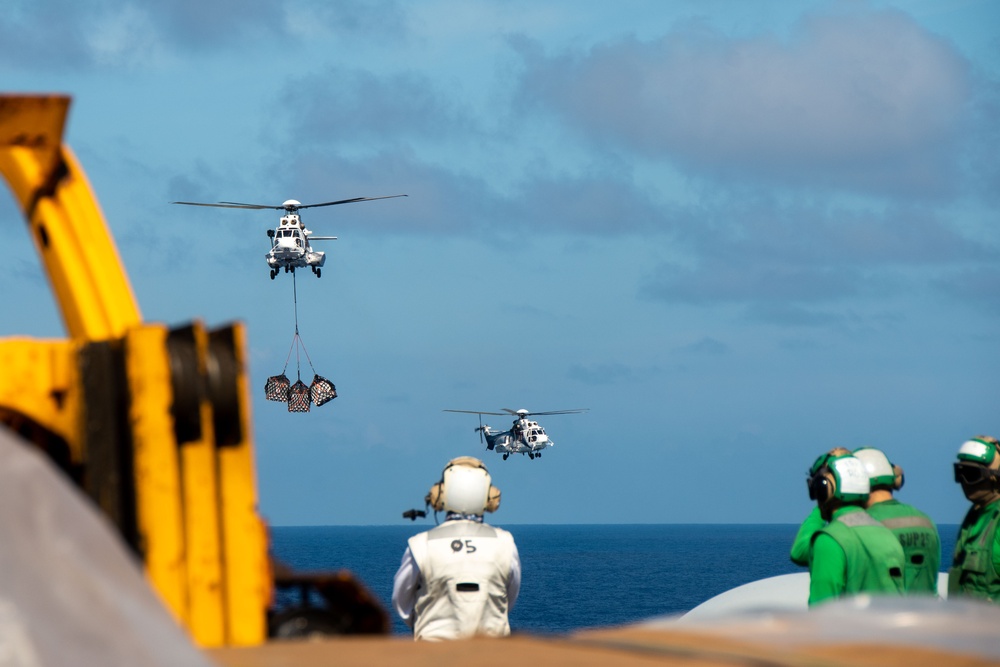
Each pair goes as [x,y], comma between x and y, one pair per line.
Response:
[578,576]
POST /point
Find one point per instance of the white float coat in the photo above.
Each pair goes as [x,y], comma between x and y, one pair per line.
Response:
[410,590]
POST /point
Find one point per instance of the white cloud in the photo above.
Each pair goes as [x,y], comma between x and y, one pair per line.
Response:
[868,101]
[127,37]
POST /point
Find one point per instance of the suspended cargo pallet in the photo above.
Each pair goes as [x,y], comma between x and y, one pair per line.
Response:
[299,395]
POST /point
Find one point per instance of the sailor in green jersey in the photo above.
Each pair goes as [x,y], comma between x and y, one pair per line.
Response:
[853,553]
[915,531]
[812,524]
[975,570]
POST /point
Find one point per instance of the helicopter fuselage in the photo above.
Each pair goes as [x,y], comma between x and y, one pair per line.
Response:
[290,247]
[524,437]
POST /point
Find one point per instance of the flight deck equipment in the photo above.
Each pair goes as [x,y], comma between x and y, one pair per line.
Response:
[152,422]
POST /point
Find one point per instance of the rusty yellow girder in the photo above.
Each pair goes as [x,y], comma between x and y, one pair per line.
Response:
[153,423]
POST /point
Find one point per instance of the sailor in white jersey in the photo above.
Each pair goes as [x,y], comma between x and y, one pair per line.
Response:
[460,578]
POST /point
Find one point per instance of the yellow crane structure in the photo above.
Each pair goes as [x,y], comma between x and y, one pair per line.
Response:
[152,422]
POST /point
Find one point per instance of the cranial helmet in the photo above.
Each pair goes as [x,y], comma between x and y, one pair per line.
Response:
[977,468]
[465,487]
[981,449]
[880,471]
[838,476]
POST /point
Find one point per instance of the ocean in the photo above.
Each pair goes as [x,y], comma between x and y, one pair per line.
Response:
[578,576]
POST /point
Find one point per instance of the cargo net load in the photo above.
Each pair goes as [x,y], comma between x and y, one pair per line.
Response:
[299,395]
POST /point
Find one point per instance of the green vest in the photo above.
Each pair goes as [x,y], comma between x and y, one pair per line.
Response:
[874,556]
[919,537]
[973,572]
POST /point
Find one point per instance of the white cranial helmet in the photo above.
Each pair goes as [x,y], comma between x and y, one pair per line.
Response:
[881,472]
[466,487]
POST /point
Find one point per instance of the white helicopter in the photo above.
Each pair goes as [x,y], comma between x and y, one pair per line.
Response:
[290,241]
[525,436]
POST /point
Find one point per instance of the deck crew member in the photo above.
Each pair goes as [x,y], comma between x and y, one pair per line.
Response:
[460,578]
[915,531]
[810,526]
[975,570]
[853,553]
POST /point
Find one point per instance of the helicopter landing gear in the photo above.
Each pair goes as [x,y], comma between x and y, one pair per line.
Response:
[318,272]
[531,456]
[274,272]
[505,456]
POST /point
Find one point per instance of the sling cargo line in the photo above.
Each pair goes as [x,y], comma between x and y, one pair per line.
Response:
[299,395]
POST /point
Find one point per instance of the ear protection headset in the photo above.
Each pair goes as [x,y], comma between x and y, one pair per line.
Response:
[838,476]
[466,487]
[881,472]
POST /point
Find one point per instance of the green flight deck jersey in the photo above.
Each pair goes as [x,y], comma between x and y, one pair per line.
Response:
[920,541]
[975,570]
[803,539]
[853,554]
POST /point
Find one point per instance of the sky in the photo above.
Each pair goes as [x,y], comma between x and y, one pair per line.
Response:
[740,234]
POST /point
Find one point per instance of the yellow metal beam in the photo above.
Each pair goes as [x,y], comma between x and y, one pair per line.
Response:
[157,420]
[159,511]
[247,572]
[65,222]
[39,378]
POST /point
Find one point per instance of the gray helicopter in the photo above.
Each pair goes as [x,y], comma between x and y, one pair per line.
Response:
[290,240]
[525,436]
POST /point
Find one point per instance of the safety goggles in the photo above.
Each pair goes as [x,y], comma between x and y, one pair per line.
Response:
[970,473]
[816,485]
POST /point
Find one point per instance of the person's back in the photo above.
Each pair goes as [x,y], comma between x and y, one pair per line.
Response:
[465,568]
[461,578]
[870,558]
[920,541]
[915,531]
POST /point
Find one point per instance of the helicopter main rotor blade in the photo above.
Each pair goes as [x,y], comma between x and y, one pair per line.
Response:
[282,207]
[224,205]
[256,207]
[348,201]
[476,412]
[550,412]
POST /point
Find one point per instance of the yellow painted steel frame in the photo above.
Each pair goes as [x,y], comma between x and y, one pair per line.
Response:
[195,520]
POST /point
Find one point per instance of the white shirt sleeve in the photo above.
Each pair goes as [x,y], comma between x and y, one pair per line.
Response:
[514,585]
[404,587]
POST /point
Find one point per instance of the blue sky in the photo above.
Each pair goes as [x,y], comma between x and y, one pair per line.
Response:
[739,233]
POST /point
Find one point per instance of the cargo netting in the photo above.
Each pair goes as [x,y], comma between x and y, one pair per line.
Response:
[299,395]
[276,388]
[322,390]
